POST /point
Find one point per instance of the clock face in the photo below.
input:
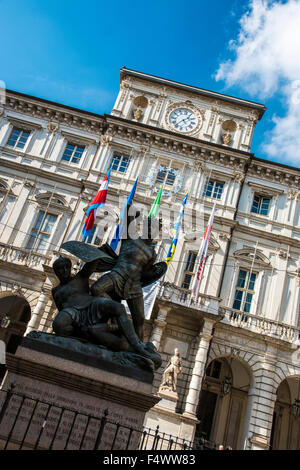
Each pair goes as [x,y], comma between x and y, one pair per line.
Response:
[183,120]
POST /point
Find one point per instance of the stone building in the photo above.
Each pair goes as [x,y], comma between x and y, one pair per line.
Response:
[240,383]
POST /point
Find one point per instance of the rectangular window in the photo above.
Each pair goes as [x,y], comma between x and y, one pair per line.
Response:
[92,238]
[5,209]
[41,232]
[213,189]
[261,205]
[167,175]
[120,163]
[18,138]
[73,153]
[244,291]
[189,270]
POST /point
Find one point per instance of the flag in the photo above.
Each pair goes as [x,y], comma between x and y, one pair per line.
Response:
[202,254]
[154,209]
[175,232]
[98,201]
[150,294]
[120,225]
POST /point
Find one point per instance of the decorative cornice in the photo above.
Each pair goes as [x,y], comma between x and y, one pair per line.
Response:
[24,124]
[179,144]
[55,112]
[271,171]
[265,190]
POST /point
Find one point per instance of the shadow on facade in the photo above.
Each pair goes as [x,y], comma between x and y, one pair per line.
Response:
[223,402]
[285,433]
[15,313]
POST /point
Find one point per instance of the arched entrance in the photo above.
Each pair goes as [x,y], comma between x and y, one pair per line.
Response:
[223,402]
[15,313]
[285,433]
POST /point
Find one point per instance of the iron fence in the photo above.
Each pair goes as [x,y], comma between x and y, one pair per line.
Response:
[29,423]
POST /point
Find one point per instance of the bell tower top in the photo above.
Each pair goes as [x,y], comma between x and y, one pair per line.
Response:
[186,109]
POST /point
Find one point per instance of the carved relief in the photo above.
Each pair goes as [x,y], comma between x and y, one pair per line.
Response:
[105,139]
[52,127]
[137,113]
[226,138]
[293,194]
[238,177]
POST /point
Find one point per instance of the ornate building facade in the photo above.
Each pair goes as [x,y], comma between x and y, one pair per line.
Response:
[240,379]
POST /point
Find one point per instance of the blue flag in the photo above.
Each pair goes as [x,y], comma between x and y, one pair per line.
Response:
[119,229]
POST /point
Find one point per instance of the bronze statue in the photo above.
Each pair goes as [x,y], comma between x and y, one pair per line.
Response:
[84,316]
[124,281]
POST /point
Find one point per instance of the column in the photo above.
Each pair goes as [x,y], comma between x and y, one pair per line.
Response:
[260,409]
[251,395]
[159,326]
[199,369]
[38,311]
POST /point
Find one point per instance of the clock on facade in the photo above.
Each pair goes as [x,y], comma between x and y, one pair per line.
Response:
[183,120]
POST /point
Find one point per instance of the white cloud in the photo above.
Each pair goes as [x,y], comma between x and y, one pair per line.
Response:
[267,63]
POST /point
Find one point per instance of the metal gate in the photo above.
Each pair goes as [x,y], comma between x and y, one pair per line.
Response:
[27,423]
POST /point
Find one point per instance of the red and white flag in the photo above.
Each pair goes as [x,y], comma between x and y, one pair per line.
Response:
[202,255]
[98,201]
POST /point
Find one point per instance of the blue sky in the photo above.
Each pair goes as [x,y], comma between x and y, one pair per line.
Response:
[71,52]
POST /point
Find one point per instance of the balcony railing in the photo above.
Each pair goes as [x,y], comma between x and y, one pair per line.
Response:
[13,254]
[172,293]
[209,304]
[261,325]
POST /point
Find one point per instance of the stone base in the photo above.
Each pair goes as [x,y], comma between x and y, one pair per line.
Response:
[82,386]
[171,423]
[168,399]
[259,442]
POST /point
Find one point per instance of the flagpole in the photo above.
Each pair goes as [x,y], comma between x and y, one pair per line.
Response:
[98,201]
[202,258]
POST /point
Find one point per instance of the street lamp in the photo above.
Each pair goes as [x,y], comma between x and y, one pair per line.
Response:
[226,385]
[296,408]
[4,321]
[296,404]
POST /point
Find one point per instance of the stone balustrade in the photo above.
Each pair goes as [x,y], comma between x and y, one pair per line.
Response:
[17,255]
[261,325]
[209,304]
[174,294]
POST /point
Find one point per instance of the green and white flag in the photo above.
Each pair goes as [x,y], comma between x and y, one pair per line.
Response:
[154,209]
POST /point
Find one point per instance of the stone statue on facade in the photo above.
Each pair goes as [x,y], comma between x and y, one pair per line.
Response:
[173,369]
[137,113]
[227,138]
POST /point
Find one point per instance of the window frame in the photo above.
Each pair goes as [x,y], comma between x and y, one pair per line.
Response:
[169,178]
[213,192]
[41,232]
[22,130]
[188,272]
[121,159]
[75,145]
[245,290]
[261,197]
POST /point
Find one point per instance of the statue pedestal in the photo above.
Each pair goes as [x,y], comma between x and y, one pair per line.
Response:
[61,397]
[169,421]
[168,399]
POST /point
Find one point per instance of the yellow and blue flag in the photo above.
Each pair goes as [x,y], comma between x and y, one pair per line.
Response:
[175,232]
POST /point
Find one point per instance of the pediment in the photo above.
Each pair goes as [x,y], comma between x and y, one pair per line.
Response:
[52,200]
[252,256]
